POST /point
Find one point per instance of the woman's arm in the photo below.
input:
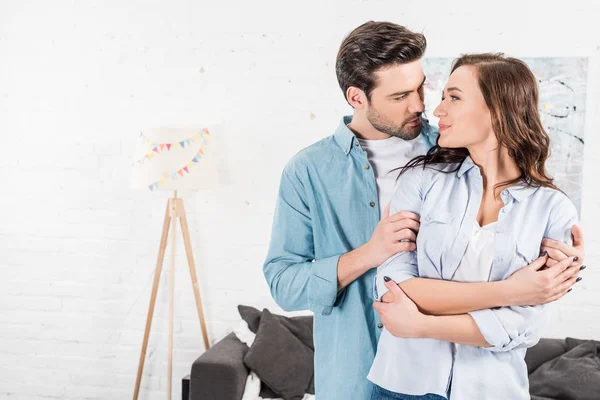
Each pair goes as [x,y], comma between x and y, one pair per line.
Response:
[528,286]
[498,329]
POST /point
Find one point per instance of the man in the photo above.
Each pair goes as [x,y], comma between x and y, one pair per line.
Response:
[328,236]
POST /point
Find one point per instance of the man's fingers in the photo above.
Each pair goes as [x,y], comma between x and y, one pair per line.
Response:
[555,245]
[554,254]
[550,263]
[577,235]
[405,224]
[405,246]
[405,234]
[404,215]
[386,211]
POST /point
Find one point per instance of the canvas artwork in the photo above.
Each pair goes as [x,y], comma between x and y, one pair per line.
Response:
[563,87]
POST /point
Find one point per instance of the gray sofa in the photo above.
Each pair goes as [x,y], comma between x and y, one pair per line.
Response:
[220,373]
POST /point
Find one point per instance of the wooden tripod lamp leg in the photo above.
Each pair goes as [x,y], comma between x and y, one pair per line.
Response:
[157,271]
[190,257]
[172,295]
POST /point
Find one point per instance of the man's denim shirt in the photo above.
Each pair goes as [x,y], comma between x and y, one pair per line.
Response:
[448,204]
[327,206]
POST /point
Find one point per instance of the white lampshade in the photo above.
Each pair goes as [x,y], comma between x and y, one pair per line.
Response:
[177,159]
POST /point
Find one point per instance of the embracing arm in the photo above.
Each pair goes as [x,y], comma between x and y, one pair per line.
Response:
[506,328]
[532,285]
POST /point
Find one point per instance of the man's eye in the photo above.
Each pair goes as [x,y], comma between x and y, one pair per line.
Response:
[400,97]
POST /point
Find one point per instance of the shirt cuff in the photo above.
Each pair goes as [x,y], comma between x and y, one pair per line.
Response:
[323,294]
[491,329]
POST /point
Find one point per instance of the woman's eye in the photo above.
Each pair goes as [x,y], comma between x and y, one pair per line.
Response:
[454,98]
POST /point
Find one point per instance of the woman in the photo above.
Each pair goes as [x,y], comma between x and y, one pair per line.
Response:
[485,201]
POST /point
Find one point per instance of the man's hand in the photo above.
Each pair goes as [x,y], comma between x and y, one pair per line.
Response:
[401,317]
[388,235]
[558,251]
[533,286]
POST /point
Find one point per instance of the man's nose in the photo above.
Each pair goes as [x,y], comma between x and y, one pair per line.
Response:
[416,106]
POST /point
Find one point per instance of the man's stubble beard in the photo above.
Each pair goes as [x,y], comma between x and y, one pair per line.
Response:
[382,124]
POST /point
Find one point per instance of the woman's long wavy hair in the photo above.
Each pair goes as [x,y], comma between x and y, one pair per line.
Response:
[510,91]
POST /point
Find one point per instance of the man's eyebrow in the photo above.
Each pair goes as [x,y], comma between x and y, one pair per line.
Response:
[407,91]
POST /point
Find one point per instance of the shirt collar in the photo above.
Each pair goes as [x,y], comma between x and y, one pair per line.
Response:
[519,191]
[343,135]
[466,165]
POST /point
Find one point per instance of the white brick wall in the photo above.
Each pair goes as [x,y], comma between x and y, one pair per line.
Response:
[78,247]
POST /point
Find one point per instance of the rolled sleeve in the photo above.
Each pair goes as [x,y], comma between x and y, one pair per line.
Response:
[508,328]
[399,267]
[323,292]
[296,280]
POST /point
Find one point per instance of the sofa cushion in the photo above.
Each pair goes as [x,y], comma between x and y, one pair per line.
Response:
[544,351]
[575,375]
[280,359]
[301,326]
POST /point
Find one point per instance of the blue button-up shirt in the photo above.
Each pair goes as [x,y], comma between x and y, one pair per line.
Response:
[448,204]
[328,206]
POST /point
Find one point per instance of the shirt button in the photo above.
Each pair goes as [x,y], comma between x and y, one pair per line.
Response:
[356,144]
[367,166]
[380,325]
[498,259]
[504,192]
[372,204]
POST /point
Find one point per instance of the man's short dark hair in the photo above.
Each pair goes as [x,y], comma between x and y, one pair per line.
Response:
[372,46]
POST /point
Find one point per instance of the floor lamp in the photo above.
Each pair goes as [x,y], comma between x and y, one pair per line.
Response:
[173,159]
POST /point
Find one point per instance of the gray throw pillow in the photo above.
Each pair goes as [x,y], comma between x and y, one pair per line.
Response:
[280,359]
[575,375]
[301,327]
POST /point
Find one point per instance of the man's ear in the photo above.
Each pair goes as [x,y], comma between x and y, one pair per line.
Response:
[356,98]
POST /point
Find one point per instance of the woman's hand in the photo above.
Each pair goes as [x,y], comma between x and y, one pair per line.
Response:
[531,285]
[401,316]
[558,251]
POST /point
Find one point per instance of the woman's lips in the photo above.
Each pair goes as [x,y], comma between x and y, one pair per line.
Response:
[443,127]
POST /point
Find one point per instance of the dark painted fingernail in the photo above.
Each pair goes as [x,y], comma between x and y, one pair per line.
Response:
[578,279]
[575,258]
[544,253]
[569,290]
[387,278]
[582,267]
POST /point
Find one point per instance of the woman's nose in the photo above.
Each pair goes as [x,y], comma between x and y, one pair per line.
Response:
[439,110]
